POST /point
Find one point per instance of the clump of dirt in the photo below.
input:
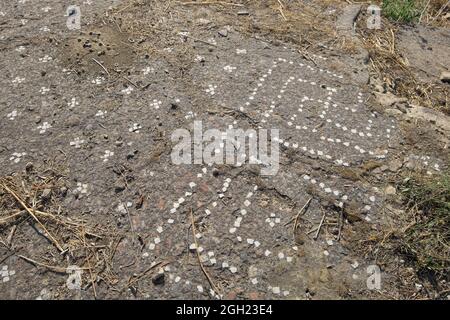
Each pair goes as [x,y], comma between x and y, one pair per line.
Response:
[102,49]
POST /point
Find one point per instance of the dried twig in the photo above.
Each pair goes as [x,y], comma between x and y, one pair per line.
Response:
[205,3]
[30,211]
[341,223]
[11,253]
[280,8]
[307,56]
[194,233]
[134,84]
[441,10]
[298,214]
[90,270]
[58,229]
[136,278]
[303,209]
[129,217]
[319,227]
[5,220]
[46,215]
[40,264]
[424,10]
[101,65]
[11,235]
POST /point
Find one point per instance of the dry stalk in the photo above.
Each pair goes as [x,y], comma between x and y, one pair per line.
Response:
[208,277]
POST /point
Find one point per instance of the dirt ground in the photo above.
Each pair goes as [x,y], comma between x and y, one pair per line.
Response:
[91,205]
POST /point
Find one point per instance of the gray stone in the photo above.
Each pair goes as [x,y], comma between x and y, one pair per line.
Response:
[119,186]
[395,165]
[389,99]
[29,167]
[437,118]
[131,154]
[346,20]
[445,77]
[203,21]
[393,112]
[46,194]
[159,279]
[63,191]
[223,33]
[390,190]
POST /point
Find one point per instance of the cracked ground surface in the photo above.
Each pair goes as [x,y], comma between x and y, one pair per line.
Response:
[106,124]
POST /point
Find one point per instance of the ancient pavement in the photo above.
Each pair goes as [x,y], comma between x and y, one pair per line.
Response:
[113,137]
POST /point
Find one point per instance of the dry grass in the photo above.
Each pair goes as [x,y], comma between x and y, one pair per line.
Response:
[435,13]
[310,27]
[416,246]
[388,64]
[30,212]
[427,241]
[280,20]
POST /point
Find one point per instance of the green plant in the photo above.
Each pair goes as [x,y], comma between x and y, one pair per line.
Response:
[402,10]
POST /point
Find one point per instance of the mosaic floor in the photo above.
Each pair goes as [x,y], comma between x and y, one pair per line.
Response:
[95,125]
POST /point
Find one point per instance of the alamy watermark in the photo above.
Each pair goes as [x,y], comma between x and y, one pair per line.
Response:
[232,146]
[74,280]
[73,14]
[374,280]
[374,17]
